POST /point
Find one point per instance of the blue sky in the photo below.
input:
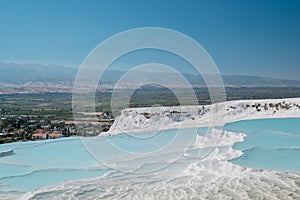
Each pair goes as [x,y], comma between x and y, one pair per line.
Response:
[257,37]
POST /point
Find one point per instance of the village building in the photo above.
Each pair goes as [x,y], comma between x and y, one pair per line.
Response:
[41,134]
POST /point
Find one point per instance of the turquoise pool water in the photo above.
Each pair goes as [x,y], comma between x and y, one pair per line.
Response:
[270,143]
[49,162]
[38,164]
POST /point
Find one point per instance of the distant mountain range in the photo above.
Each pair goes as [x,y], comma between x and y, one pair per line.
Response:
[22,73]
[32,75]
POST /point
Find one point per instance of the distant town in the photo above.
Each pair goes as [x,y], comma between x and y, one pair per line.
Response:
[14,128]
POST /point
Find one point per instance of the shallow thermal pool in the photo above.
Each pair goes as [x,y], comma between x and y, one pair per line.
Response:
[271,144]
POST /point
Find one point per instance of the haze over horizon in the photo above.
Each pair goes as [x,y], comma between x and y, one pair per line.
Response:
[69,72]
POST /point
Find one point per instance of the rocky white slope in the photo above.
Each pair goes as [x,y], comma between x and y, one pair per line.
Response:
[158,118]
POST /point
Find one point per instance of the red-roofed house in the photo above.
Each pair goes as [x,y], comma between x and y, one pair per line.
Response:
[43,134]
[55,135]
[40,134]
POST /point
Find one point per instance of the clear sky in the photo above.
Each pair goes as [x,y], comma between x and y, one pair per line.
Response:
[251,37]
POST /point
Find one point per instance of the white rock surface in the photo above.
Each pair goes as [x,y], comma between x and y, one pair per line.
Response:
[159,118]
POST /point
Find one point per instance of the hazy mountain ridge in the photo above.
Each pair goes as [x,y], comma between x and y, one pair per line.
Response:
[12,73]
[38,75]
